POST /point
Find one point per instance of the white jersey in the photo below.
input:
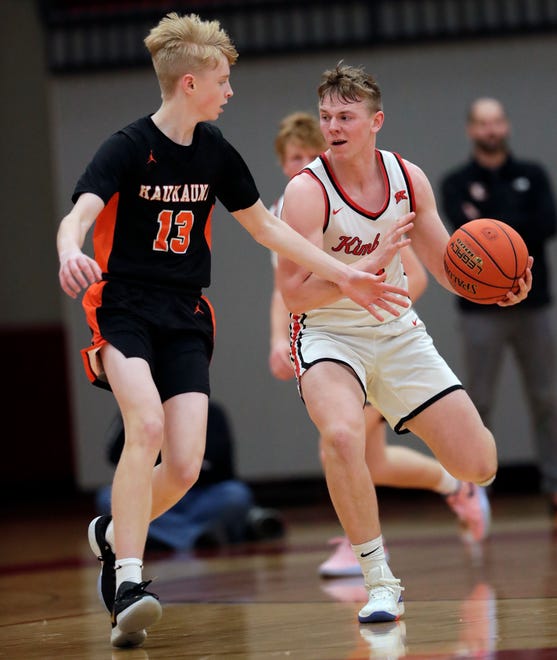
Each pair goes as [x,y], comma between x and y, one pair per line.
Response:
[276,209]
[351,232]
[276,206]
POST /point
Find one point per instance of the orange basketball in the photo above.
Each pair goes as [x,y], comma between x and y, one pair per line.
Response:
[484,259]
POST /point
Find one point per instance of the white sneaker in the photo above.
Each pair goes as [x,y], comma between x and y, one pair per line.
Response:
[122,640]
[385,597]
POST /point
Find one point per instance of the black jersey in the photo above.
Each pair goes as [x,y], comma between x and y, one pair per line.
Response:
[159,196]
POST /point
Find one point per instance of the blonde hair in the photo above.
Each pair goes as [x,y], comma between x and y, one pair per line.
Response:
[184,44]
[350,84]
[300,127]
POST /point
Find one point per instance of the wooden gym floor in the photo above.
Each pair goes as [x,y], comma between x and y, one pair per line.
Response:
[266,601]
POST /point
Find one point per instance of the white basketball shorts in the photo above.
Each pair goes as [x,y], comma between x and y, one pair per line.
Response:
[398,367]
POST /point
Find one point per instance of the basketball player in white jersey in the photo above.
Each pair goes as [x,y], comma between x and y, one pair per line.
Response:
[345,202]
[298,142]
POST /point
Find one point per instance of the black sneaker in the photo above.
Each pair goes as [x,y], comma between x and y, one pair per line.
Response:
[135,608]
[106,584]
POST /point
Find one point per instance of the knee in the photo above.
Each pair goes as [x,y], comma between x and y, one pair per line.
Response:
[182,475]
[485,471]
[476,461]
[487,482]
[146,433]
[340,443]
[481,462]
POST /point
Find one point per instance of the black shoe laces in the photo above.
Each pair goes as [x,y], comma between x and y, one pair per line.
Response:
[140,589]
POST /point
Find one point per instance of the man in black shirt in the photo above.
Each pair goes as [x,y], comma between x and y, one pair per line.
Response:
[495,184]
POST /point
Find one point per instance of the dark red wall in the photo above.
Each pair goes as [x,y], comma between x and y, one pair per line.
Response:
[37,453]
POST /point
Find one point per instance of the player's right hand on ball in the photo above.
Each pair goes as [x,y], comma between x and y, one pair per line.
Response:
[525,285]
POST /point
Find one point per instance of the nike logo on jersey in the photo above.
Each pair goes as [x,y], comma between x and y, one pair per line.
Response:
[400,195]
[415,322]
[335,211]
[367,554]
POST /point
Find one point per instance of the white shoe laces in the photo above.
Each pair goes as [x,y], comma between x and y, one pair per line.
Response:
[384,588]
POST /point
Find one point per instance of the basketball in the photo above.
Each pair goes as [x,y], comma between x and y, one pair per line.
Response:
[484,260]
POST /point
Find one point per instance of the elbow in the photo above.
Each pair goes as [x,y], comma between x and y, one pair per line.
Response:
[297,309]
[292,304]
[289,303]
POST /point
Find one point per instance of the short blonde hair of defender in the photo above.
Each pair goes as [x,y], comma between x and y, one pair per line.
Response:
[350,84]
[302,128]
[186,44]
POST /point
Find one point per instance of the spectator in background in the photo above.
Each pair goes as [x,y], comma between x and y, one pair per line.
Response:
[218,509]
[496,184]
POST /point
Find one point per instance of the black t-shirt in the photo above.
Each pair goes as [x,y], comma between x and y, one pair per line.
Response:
[518,193]
[159,196]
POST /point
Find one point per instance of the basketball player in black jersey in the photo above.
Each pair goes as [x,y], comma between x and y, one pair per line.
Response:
[150,191]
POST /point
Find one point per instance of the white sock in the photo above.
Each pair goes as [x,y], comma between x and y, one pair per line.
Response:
[447,483]
[128,570]
[370,554]
[109,534]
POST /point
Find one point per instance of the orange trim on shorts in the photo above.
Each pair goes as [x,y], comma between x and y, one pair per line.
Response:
[213,316]
[92,364]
